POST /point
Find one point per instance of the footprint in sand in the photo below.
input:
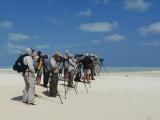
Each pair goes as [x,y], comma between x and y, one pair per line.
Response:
[149,118]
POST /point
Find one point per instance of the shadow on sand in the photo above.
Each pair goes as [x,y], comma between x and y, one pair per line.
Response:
[18,98]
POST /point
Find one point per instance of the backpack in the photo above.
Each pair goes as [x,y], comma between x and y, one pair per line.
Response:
[19,66]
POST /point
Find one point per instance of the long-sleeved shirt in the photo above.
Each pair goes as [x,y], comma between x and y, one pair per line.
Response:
[71,64]
[46,65]
[54,65]
[29,61]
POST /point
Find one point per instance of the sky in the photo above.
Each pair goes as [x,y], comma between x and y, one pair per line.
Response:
[126,33]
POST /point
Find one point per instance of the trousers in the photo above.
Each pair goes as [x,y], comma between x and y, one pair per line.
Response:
[53,85]
[29,91]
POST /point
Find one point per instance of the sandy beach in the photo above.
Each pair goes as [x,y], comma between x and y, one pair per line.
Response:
[112,96]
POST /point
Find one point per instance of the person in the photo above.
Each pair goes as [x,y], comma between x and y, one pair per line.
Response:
[29,78]
[86,67]
[71,65]
[65,67]
[92,66]
[54,70]
[39,70]
[46,73]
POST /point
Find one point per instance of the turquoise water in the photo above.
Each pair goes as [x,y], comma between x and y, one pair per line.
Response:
[6,67]
[119,69]
[130,69]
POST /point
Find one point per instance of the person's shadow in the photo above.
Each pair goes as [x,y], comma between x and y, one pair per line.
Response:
[18,98]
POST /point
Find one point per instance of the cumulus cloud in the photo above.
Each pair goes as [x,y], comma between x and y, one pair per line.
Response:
[98,27]
[151,29]
[103,2]
[115,38]
[137,5]
[18,37]
[16,49]
[152,43]
[86,13]
[5,24]
[42,46]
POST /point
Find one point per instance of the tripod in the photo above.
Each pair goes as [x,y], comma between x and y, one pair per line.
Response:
[67,87]
[78,77]
[58,94]
[76,84]
[102,65]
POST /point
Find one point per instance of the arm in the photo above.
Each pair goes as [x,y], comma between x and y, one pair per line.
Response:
[30,64]
[72,62]
[53,63]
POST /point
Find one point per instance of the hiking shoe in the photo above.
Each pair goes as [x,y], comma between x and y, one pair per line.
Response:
[31,103]
[24,102]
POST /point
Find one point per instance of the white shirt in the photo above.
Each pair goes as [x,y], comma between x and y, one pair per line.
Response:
[27,60]
[54,65]
[71,64]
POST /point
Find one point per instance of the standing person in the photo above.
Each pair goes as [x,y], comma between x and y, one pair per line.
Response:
[54,69]
[65,67]
[46,72]
[92,67]
[71,70]
[39,70]
[86,67]
[29,78]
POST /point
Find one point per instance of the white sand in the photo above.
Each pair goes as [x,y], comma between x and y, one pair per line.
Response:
[113,96]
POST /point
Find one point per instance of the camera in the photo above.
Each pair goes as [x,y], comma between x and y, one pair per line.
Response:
[42,56]
[101,59]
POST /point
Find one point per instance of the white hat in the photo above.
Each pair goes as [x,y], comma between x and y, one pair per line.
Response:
[28,51]
[86,54]
[92,55]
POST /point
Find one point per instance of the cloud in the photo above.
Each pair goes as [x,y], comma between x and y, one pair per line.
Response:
[152,43]
[96,41]
[151,29]
[42,46]
[114,38]
[16,49]
[54,20]
[137,5]
[86,13]
[98,27]
[103,2]
[69,45]
[18,37]
[5,24]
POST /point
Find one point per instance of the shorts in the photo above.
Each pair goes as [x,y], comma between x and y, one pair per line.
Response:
[87,71]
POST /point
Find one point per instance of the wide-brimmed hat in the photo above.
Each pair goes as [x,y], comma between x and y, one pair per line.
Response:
[57,54]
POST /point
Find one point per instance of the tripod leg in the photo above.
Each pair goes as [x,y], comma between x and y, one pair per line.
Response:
[65,90]
[60,97]
[75,90]
[85,85]
[76,84]
[89,84]
[47,91]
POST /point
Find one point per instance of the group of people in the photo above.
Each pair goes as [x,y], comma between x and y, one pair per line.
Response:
[36,66]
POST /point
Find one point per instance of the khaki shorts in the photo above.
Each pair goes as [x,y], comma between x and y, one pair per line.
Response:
[87,71]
